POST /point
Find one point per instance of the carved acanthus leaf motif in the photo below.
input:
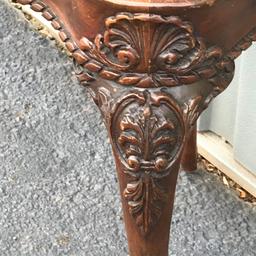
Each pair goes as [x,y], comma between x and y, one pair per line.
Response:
[149,132]
[146,200]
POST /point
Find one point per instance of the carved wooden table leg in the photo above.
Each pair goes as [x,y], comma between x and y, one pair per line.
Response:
[148,129]
[150,117]
[189,156]
[152,70]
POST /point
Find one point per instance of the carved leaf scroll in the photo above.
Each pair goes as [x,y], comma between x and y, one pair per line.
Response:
[149,135]
[146,200]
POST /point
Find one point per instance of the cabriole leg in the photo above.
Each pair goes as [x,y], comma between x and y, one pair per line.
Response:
[151,77]
[148,129]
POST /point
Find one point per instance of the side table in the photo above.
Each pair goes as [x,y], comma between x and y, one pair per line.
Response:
[152,67]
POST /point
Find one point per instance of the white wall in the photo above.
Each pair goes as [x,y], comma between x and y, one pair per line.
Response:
[233,113]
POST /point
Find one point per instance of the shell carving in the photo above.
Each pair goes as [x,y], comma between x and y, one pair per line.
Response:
[147,50]
[172,46]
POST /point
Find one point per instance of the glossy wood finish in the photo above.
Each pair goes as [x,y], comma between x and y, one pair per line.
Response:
[152,67]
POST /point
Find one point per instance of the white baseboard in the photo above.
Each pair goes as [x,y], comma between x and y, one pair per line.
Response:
[219,153]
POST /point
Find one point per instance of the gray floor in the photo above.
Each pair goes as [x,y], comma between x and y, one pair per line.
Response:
[58,189]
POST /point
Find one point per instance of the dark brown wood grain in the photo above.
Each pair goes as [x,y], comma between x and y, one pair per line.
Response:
[152,67]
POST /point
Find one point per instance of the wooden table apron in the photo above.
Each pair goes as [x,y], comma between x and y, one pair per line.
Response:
[152,67]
